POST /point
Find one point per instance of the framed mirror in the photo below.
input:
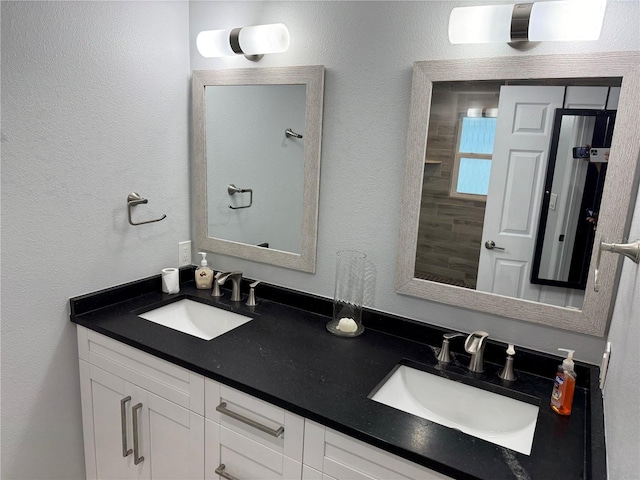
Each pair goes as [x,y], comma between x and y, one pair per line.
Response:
[524,117]
[257,140]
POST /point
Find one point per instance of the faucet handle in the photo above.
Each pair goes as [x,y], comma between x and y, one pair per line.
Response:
[449,336]
[507,372]
[444,356]
[216,286]
[251,302]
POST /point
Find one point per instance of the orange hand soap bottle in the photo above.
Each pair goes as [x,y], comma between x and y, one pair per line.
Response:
[564,385]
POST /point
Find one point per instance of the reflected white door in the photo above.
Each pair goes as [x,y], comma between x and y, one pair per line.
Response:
[520,154]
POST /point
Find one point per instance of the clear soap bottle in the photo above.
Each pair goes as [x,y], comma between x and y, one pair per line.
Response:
[564,385]
[204,275]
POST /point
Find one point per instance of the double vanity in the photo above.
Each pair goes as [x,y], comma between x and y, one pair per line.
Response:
[266,392]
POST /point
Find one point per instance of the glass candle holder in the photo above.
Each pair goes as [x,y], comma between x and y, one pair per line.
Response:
[348,294]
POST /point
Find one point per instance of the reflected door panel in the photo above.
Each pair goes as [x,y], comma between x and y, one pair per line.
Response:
[523,135]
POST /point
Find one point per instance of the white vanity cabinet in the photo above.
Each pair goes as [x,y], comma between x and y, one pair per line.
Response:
[146,418]
[330,455]
[247,438]
[142,416]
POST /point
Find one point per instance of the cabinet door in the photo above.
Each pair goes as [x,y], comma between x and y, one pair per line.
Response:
[124,423]
[172,440]
[230,455]
[106,406]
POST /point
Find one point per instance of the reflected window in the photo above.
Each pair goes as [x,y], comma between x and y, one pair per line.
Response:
[472,163]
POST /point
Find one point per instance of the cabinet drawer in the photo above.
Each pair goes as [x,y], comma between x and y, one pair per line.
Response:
[343,457]
[163,378]
[243,458]
[250,417]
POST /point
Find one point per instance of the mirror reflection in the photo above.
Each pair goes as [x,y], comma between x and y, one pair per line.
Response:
[247,148]
[571,200]
[489,145]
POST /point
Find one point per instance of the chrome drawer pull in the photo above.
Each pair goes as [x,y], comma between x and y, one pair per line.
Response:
[220,471]
[123,418]
[222,408]
[136,448]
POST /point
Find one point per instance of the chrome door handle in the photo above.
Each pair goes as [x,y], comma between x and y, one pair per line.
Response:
[491,245]
[123,419]
[137,459]
[631,250]
[222,408]
[220,471]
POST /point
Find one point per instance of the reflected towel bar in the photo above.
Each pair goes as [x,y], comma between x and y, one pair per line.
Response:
[232,190]
[290,133]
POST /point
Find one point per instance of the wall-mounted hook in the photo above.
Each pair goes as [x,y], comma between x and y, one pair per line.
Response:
[232,190]
[631,250]
[134,199]
[290,133]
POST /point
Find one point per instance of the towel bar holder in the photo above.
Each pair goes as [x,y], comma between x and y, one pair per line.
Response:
[134,199]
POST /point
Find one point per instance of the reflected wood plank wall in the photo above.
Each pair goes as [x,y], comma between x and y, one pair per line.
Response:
[450,229]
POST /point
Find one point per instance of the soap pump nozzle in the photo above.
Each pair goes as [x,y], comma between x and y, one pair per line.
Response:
[567,363]
[203,263]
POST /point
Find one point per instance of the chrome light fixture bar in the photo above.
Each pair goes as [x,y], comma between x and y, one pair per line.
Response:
[252,42]
[559,20]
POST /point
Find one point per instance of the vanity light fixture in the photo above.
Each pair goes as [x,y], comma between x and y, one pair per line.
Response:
[560,20]
[252,42]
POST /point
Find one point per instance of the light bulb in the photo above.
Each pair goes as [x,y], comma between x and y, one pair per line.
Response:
[566,20]
[485,24]
[255,40]
[261,39]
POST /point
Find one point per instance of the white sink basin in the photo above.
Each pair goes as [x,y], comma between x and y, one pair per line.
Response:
[486,415]
[194,318]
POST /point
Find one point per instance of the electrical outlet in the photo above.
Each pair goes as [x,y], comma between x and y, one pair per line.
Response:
[184,253]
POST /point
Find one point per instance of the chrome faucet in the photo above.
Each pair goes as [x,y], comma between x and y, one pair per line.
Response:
[236,279]
[474,345]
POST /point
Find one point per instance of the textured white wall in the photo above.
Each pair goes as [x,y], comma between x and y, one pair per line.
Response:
[95,104]
[368,49]
[622,390]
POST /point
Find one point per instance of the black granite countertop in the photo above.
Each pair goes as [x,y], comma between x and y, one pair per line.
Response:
[286,356]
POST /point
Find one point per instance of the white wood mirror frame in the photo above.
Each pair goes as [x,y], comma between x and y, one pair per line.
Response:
[618,198]
[311,76]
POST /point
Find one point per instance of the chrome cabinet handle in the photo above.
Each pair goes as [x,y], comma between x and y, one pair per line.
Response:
[137,459]
[491,245]
[222,408]
[123,418]
[220,471]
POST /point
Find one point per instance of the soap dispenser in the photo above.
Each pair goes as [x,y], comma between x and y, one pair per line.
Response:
[204,275]
[564,385]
